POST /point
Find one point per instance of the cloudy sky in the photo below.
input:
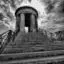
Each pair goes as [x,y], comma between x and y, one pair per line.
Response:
[51,13]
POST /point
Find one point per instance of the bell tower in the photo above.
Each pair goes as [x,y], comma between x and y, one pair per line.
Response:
[26,17]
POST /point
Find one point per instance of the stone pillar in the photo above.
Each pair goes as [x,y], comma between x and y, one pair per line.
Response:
[22,22]
[33,25]
[17,25]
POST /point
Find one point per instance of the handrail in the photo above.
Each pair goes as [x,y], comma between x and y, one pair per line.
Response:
[5,39]
[4,33]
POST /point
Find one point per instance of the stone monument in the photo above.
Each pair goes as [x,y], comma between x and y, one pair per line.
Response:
[32,47]
[32,40]
[26,17]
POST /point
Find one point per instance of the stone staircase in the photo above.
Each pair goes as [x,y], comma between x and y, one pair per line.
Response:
[33,48]
[27,43]
[45,57]
[32,42]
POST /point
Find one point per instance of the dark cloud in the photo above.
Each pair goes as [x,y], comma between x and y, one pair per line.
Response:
[61,7]
[29,0]
[59,22]
[1,16]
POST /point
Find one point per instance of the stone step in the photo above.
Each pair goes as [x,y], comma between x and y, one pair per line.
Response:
[36,44]
[23,49]
[32,48]
[39,57]
[48,60]
[31,54]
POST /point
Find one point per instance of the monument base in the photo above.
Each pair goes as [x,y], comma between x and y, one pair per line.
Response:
[32,42]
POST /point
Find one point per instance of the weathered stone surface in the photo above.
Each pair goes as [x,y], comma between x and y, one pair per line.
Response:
[22,22]
[33,24]
[32,42]
[25,42]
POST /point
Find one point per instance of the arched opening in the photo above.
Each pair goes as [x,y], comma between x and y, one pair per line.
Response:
[27,21]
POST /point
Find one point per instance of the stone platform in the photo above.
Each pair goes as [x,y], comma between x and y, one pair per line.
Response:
[32,42]
[32,48]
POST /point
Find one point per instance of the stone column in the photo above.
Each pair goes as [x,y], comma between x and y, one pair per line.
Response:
[17,25]
[22,22]
[33,25]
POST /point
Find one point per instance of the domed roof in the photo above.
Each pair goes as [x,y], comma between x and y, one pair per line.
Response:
[26,9]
